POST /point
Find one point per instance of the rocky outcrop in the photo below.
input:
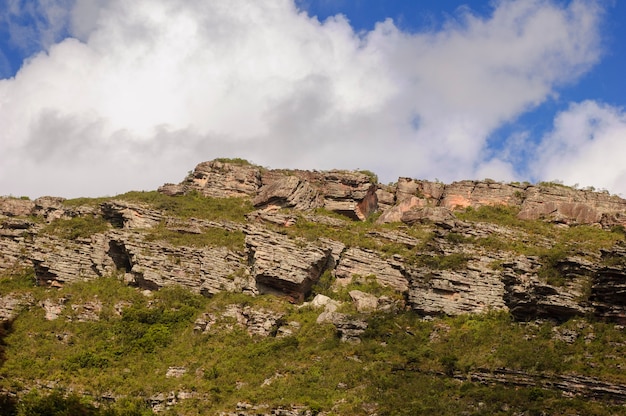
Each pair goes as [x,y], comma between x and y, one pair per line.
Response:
[358,262]
[608,289]
[474,289]
[568,205]
[12,303]
[122,214]
[281,265]
[257,322]
[15,207]
[569,385]
[288,191]
[273,262]
[349,193]
[220,179]
[528,297]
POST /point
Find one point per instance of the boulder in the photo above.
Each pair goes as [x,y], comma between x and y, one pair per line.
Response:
[364,302]
[439,216]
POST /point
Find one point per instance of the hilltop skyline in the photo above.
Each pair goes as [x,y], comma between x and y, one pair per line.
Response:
[101,97]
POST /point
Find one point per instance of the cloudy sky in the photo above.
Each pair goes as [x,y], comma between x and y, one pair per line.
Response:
[98,97]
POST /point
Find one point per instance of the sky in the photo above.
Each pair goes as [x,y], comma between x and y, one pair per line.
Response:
[100,97]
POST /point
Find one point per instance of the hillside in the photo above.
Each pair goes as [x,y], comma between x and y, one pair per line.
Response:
[249,291]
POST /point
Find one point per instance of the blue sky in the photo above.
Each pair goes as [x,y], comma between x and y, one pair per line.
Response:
[98,97]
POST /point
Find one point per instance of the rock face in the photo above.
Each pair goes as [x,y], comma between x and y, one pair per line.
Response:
[476,289]
[365,263]
[280,265]
[353,194]
[288,192]
[270,261]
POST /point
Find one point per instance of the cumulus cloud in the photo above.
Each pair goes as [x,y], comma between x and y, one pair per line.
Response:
[142,91]
[586,147]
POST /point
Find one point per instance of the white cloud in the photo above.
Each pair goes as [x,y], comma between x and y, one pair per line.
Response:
[148,88]
[586,147]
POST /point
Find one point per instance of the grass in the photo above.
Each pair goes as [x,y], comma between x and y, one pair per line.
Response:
[234,161]
[193,205]
[129,354]
[209,237]
[77,227]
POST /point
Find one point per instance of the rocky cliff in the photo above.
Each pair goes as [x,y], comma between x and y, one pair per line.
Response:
[275,256]
[542,251]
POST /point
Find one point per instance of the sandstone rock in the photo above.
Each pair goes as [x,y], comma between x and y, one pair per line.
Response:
[608,293]
[175,372]
[476,289]
[439,216]
[16,227]
[349,193]
[124,214]
[88,311]
[320,301]
[272,216]
[288,192]
[564,204]
[12,303]
[223,179]
[385,196]
[348,328]
[567,384]
[426,190]
[257,322]
[281,265]
[395,213]
[53,309]
[171,189]
[50,208]
[364,302]
[463,194]
[528,297]
[396,236]
[364,263]
[15,207]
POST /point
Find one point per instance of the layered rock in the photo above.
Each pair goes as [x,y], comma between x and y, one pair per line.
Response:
[474,289]
[281,265]
[288,192]
[349,193]
[15,207]
[551,202]
[364,263]
[608,290]
[564,204]
[124,214]
[221,179]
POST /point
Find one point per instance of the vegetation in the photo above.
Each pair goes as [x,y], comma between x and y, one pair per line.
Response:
[234,161]
[208,237]
[128,355]
[404,364]
[77,227]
